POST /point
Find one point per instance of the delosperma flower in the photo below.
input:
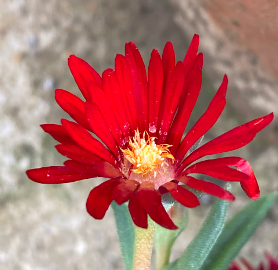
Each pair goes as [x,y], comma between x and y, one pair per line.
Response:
[130,130]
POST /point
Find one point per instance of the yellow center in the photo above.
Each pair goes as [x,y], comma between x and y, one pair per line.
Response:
[145,155]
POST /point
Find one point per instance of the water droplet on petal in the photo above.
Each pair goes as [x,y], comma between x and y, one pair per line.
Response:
[152,128]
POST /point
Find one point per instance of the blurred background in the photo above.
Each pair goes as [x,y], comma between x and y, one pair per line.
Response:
[47,227]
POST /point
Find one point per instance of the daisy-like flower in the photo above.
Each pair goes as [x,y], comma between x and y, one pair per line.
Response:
[130,130]
[272,264]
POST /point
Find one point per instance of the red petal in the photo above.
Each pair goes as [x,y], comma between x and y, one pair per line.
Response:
[56,175]
[207,187]
[81,155]
[79,167]
[112,92]
[99,169]
[234,266]
[218,168]
[77,153]
[139,78]
[93,72]
[273,262]
[83,73]
[170,101]
[182,195]
[137,212]
[100,128]
[188,98]
[206,121]
[100,198]
[73,105]
[191,54]
[231,140]
[150,199]
[155,88]
[123,192]
[250,187]
[247,264]
[81,136]
[124,76]
[168,60]
[98,96]
[58,133]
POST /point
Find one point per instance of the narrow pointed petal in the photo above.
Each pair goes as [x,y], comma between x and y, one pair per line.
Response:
[207,187]
[206,121]
[82,137]
[100,198]
[273,261]
[58,133]
[215,168]
[112,92]
[168,60]
[98,97]
[83,73]
[170,101]
[248,265]
[150,199]
[80,167]
[188,99]
[231,140]
[155,88]
[182,195]
[72,105]
[191,54]
[250,187]
[93,72]
[77,153]
[124,76]
[100,169]
[56,175]
[139,79]
[81,155]
[123,192]
[138,213]
[100,128]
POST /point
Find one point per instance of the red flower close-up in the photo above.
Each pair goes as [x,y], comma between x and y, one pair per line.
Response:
[272,264]
[130,129]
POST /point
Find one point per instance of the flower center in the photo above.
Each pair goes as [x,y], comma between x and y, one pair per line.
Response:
[145,155]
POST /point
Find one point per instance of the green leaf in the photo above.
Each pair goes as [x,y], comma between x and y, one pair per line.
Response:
[236,233]
[198,250]
[126,233]
[164,239]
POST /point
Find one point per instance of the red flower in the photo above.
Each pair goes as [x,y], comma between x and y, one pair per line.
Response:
[139,123]
[272,264]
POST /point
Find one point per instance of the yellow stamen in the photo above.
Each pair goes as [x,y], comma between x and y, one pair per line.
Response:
[145,154]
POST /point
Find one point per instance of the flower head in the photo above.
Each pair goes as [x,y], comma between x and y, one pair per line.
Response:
[145,156]
[139,121]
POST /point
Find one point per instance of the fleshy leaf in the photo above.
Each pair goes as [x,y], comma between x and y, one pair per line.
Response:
[126,233]
[236,233]
[197,251]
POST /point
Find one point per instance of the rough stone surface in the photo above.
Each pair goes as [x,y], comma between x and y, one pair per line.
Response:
[47,227]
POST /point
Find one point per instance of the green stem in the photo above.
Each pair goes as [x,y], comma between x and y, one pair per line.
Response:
[143,247]
[162,258]
[164,239]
